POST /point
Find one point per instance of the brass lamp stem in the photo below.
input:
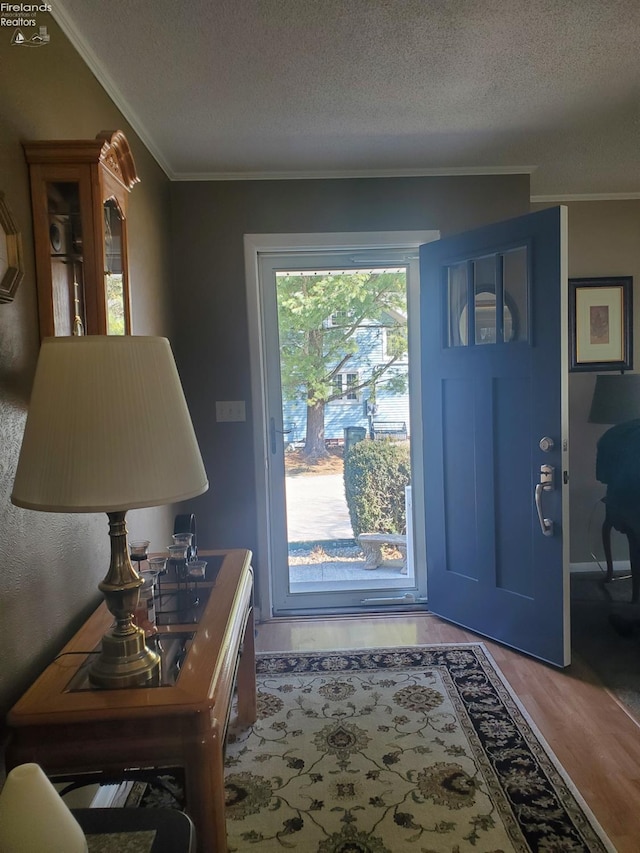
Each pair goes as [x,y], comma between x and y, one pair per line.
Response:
[121,585]
[125,660]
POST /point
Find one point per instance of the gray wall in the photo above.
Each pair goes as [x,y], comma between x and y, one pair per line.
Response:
[604,240]
[50,564]
[212,346]
[212,342]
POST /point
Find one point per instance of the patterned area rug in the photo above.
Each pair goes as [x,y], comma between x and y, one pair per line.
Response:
[419,749]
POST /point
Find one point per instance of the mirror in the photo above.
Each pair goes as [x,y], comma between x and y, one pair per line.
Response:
[485,319]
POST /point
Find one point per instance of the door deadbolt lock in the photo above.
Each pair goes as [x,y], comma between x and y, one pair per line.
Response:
[546,444]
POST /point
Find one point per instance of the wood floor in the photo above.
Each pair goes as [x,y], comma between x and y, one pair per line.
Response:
[594,738]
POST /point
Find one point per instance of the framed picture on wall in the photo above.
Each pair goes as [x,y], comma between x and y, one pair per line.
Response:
[601,323]
[11,264]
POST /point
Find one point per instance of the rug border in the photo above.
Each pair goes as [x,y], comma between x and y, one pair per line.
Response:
[553,758]
[550,752]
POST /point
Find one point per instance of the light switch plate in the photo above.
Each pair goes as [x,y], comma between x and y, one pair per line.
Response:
[230,410]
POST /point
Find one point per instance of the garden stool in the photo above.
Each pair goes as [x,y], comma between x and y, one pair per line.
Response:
[372,543]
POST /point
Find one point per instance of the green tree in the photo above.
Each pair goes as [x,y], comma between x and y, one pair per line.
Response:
[115,304]
[321,319]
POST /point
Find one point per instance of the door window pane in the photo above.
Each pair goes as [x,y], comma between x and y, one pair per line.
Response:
[516,294]
[512,266]
[484,289]
[457,305]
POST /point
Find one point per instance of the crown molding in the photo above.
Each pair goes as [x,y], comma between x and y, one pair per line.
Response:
[542,199]
[354,173]
[59,14]
[66,24]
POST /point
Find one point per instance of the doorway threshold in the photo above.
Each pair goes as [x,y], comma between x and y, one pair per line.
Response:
[325,584]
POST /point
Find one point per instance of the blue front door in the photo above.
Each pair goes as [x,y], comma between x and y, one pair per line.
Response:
[494,385]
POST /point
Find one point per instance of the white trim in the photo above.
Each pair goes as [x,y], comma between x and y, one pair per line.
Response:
[543,199]
[564,422]
[344,385]
[339,174]
[319,242]
[592,566]
[330,241]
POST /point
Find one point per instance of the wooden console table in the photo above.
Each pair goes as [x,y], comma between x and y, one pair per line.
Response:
[67,727]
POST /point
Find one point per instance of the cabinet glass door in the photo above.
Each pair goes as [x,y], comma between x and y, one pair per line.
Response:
[65,247]
[115,284]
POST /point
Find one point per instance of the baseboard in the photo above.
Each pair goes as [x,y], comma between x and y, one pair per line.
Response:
[592,566]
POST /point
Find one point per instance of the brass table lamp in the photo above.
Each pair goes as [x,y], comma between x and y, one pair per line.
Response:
[108,430]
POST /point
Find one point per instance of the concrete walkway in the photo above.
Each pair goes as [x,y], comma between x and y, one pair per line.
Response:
[317,511]
[317,508]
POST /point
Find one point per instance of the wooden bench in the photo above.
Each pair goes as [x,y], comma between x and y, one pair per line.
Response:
[372,544]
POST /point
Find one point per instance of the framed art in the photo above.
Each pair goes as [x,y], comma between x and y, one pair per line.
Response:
[601,323]
[11,265]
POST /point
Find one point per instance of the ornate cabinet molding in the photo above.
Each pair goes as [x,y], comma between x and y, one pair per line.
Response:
[79,194]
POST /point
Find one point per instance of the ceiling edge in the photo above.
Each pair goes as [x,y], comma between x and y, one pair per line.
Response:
[541,199]
[59,14]
[65,23]
[355,173]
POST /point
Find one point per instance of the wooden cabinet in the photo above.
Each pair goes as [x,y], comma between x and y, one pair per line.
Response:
[79,194]
[66,726]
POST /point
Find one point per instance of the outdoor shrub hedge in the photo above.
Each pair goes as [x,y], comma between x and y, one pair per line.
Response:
[375,475]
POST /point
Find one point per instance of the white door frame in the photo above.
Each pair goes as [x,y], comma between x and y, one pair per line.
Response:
[352,241]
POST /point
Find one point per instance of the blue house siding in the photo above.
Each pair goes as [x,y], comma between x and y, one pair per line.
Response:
[347,413]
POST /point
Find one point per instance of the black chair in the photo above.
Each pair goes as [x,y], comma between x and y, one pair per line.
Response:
[618,466]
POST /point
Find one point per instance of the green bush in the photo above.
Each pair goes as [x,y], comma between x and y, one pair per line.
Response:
[375,475]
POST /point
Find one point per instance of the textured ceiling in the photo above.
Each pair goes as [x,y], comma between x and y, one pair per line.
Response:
[286,88]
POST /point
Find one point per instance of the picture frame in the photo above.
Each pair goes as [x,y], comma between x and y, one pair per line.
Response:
[601,323]
[11,262]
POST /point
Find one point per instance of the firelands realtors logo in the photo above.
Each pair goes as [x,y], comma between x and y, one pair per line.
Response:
[21,16]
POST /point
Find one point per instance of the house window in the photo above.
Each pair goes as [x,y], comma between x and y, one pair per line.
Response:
[344,385]
[341,318]
[394,344]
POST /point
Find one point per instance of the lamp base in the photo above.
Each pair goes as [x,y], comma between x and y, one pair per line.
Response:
[125,661]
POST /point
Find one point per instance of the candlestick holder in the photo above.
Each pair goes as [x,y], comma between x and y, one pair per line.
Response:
[196,573]
[139,551]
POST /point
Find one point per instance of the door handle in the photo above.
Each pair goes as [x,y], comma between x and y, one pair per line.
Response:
[545,485]
[273,431]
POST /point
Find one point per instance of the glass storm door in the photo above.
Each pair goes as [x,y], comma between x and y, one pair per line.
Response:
[495,425]
[327,333]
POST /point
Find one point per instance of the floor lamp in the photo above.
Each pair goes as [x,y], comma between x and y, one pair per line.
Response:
[108,430]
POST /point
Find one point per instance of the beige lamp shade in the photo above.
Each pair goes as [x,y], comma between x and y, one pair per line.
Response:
[108,428]
[33,816]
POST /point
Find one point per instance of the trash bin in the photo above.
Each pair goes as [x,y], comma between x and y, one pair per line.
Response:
[352,435]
